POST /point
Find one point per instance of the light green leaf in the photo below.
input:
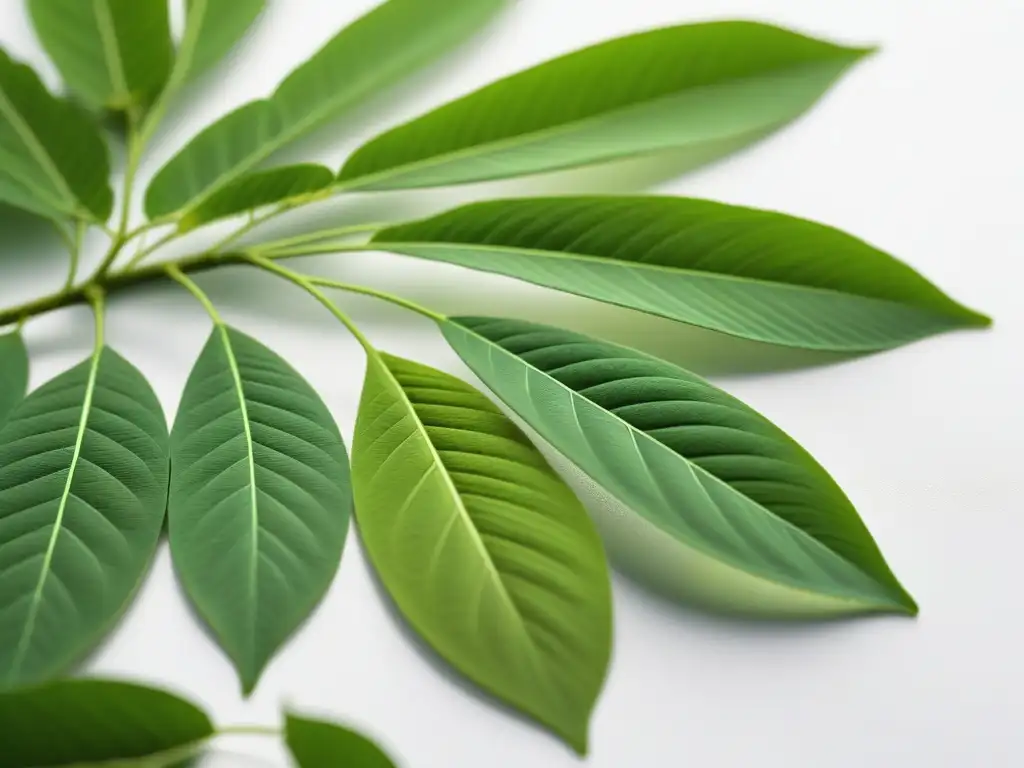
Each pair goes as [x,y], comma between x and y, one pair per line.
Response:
[694,462]
[706,90]
[53,161]
[93,722]
[316,744]
[751,273]
[258,189]
[212,29]
[83,491]
[13,373]
[393,40]
[483,548]
[260,497]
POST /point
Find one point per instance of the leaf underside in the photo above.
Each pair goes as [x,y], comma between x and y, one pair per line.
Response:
[13,373]
[317,744]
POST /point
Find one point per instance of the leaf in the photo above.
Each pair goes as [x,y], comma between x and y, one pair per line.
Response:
[316,744]
[212,29]
[393,40]
[706,90]
[258,189]
[260,497]
[115,54]
[79,722]
[696,463]
[750,273]
[484,549]
[53,161]
[83,490]
[13,373]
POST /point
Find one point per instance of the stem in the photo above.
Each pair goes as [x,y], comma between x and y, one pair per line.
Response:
[312,250]
[313,237]
[96,299]
[75,253]
[326,282]
[131,169]
[139,257]
[248,730]
[175,273]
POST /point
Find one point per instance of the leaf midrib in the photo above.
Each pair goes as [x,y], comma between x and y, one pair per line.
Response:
[111,51]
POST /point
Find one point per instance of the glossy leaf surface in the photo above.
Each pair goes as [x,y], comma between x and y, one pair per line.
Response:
[390,42]
[83,491]
[689,458]
[484,549]
[260,497]
[13,373]
[704,89]
[92,722]
[115,54]
[751,273]
[317,744]
[53,161]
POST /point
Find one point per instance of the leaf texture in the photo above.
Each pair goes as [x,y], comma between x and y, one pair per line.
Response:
[316,744]
[92,722]
[212,29]
[260,497]
[703,89]
[393,40]
[115,54]
[83,491]
[751,273]
[486,552]
[13,373]
[53,161]
[258,189]
[692,460]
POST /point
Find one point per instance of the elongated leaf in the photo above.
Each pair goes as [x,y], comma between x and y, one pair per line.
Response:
[13,373]
[393,40]
[316,744]
[53,161]
[260,497]
[485,551]
[212,29]
[696,463]
[258,189]
[115,54]
[89,722]
[704,89]
[751,273]
[83,491]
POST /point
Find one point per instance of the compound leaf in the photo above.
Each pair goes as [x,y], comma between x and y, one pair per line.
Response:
[696,463]
[704,89]
[93,722]
[483,548]
[13,373]
[756,274]
[260,497]
[83,491]
[317,744]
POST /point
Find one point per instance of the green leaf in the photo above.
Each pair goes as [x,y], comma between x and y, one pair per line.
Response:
[260,497]
[696,463]
[212,29]
[483,548]
[316,744]
[13,373]
[115,54]
[53,161]
[83,491]
[706,90]
[258,189]
[393,40]
[751,273]
[92,722]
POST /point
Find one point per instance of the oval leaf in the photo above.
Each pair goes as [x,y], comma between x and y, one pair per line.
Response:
[55,163]
[13,373]
[260,497]
[256,190]
[212,29]
[83,491]
[706,89]
[316,744]
[485,551]
[115,54]
[89,722]
[693,461]
[756,274]
[390,42]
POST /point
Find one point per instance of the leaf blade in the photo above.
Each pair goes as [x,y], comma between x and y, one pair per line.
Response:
[212,29]
[319,744]
[13,373]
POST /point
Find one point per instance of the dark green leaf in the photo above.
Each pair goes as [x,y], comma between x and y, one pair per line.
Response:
[91,722]
[483,548]
[316,744]
[13,373]
[212,29]
[260,497]
[694,462]
[703,89]
[83,491]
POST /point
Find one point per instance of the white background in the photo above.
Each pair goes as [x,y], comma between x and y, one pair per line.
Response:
[918,151]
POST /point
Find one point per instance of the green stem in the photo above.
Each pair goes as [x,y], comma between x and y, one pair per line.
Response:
[75,253]
[248,730]
[312,250]
[419,309]
[176,274]
[314,237]
[139,257]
